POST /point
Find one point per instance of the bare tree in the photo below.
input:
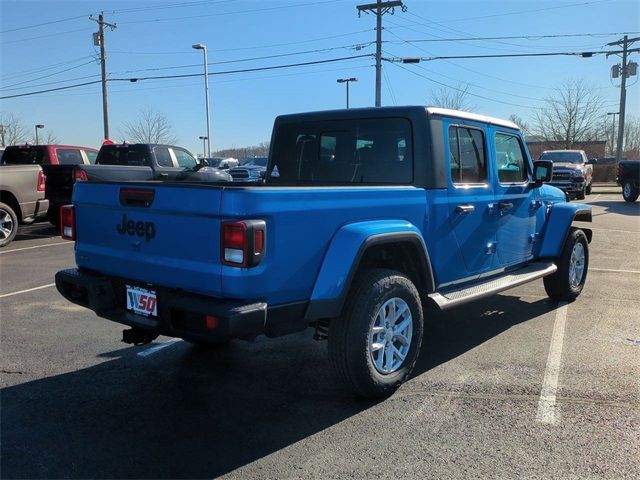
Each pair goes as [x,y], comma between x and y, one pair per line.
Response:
[456,98]
[632,138]
[48,138]
[13,130]
[260,150]
[151,127]
[573,114]
[524,126]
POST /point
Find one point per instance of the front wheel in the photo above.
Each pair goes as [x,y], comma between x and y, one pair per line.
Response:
[8,224]
[630,191]
[589,189]
[568,281]
[582,193]
[374,344]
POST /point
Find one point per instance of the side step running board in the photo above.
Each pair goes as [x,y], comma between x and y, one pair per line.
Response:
[451,297]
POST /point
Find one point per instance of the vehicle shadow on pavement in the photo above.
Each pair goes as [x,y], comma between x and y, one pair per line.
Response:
[36,230]
[621,207]
[191,413]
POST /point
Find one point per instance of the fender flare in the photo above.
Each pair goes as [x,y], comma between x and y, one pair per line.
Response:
[344,255]
[558,225]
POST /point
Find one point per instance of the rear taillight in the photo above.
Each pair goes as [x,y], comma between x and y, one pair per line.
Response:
[68,222]
[41,181]
[80,175]
[243,244]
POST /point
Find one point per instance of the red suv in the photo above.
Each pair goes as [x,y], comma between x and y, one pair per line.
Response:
[48,155]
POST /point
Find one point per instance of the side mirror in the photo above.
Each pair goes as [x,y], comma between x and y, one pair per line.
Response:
[542,172]
[592,161]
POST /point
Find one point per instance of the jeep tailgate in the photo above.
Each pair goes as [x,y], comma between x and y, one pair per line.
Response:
[171,239]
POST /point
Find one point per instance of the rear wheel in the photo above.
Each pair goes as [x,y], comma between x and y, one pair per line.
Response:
[374,344]
[629,191]
[8,224]
[568,281]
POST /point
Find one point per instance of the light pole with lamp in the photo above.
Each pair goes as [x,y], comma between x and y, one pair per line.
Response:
[200,46]
[347,80]
[204,147]
[37,127]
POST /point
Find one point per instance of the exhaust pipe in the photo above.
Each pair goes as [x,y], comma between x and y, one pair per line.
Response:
[137,336]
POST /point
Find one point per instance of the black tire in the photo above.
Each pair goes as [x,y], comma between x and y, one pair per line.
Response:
[630,191]
[588,191]
[558,285]
[349,355]
[8,224]
[582,194]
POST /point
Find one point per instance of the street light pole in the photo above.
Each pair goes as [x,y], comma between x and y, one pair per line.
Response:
[37,127]
[204,148]
[200,46]
[347,81]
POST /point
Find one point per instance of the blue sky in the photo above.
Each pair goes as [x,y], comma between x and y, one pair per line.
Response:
[154,37]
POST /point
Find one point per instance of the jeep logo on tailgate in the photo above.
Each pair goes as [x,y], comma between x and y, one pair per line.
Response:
[139,228]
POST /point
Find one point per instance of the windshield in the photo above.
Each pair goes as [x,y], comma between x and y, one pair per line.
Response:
[256,161]
[215,161]
[562,157]
[23,156]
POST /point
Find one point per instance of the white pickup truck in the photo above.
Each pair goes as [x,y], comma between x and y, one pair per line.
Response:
[21,198]
[572,171]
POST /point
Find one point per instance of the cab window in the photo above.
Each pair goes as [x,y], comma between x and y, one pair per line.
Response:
[467,155]
[512,163]
[184,158]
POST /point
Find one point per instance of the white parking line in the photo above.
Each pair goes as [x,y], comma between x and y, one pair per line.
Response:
[547,408]
[158,347]
[612,270]
[27,290]
[36,246]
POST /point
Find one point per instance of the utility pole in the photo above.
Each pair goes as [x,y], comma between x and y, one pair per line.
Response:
[624,43]
[379,9]
[613,131]
[2,135]
[98,40]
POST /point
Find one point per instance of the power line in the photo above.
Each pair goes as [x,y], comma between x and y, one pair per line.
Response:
[47,67]
[522,37]
[15,85]
[520,12]
[219,14]
[189,75]
[511,55]
[43,24]
[67,32]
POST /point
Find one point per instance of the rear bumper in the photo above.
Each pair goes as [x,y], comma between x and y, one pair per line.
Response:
[180,314]
[33,210]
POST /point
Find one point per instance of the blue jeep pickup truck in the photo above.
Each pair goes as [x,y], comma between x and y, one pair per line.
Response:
[366,219]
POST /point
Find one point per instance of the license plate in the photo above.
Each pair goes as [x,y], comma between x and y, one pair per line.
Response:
[142,301]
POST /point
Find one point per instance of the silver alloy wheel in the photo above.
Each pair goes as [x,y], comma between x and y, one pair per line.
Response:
[576,265]
[626,190]
[390,335]
[6,224]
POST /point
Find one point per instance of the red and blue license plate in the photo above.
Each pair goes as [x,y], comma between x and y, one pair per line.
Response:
[142,301]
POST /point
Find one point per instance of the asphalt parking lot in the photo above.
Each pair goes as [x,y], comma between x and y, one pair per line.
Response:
[514,386]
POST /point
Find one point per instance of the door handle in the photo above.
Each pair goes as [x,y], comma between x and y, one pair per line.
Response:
[505,206]
[464,209]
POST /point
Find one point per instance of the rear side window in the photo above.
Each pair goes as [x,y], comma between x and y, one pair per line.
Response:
[467,155]
[163,157]
[24,156]
[359,151]
[91,156]
[512,164]
[69,156]
[131,155]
